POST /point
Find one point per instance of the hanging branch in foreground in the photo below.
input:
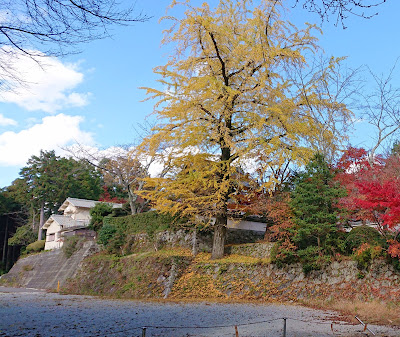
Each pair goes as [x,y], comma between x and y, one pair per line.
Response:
[57,26]
[40,28]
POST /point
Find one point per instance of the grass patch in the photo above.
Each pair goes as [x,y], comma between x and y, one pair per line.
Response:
[27,267]
[202,257]
[168,252]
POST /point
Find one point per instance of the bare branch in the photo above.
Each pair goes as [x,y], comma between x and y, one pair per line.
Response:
[57,27]
[341,8]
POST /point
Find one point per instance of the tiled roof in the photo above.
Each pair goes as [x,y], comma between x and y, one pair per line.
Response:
[65,221]
[83,203]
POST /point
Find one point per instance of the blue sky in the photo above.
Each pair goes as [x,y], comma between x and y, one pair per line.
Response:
[94,98]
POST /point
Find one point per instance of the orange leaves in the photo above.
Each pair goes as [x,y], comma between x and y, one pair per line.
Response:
[394,249]
[279,211]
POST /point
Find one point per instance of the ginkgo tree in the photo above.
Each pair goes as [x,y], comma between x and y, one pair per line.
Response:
[231,96]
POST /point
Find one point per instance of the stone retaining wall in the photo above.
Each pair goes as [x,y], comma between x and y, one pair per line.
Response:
[187,239]
[259,250]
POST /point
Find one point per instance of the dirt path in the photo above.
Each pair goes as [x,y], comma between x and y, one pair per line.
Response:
[32,313]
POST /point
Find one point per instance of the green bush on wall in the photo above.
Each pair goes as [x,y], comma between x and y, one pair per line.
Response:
[115,231]
[148,222]
[72,244]
[363,234]
[35,247]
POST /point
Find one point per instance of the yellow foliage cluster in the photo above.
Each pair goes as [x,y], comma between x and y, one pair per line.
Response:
[234,92]
[196,285]
[232,258]
[176,251]
[242,93]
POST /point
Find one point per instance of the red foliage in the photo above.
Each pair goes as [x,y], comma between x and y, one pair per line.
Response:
[381,199]
[373,191]
[353,159]
[352,168]
[106,197]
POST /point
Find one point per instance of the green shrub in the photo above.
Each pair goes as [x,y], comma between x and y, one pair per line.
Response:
[115,232]
[148,222]
[313,258]
[395,262]
[71,245]
[360,235]
[106,233]
[35,247]
[113,237]
[97,213]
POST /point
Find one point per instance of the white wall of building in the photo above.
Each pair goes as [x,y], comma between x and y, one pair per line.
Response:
[53,237]
[248,225]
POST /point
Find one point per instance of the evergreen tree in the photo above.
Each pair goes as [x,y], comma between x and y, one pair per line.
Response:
[316,214]
[11,215]
[47,180]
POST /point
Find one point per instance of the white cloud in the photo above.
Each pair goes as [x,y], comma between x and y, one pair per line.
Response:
[156,168]
[4,121]
[47,84]
[51,134]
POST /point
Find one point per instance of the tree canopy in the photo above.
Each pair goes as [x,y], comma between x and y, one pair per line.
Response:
[51,179]
[234,93]
[47,180]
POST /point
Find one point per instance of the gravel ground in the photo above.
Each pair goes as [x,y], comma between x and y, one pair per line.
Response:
[33,313]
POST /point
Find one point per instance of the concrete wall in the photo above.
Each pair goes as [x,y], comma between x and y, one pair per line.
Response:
[247,225]
[45,270]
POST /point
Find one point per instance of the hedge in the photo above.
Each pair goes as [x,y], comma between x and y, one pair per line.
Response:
[116,230]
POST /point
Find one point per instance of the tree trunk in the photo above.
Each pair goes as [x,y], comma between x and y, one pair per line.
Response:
[219,238]
[5,244]
[132,201]
[194,243]
[221,220]
[33,217]
[41,222]
[9,258]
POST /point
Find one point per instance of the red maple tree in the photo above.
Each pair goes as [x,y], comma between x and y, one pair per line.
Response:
[373,191]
